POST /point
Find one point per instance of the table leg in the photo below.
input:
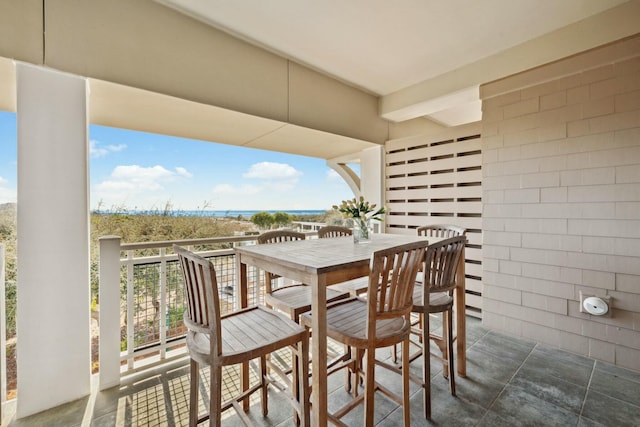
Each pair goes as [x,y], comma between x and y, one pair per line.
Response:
[243,301]
[461,335]
[319,351]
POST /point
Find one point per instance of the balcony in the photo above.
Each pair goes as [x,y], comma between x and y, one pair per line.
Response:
[510,380]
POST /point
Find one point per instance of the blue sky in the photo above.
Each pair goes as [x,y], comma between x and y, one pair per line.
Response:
[135,170]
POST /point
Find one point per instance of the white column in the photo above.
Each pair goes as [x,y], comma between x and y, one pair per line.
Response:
[53,322]
[372,174]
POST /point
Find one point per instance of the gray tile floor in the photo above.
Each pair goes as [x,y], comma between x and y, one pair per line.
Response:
[510,382]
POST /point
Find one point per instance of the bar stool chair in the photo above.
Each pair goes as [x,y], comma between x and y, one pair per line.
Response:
[434,295]
[442,231]
[381,320]
[292,299]
[220,340]
[354,287]
[438,231]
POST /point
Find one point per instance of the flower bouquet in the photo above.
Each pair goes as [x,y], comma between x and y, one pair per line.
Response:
[362,213]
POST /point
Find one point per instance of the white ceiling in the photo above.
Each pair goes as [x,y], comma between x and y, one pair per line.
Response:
[387,46]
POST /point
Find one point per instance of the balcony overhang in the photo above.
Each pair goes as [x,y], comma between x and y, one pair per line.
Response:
[125,107]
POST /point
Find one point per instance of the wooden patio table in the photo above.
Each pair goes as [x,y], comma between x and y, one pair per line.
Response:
[322,262]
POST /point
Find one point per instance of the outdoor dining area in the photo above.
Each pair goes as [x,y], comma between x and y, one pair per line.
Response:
[507,157]
[340,340]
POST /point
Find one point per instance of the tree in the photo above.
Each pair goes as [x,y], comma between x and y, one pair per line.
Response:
[281,218]
[262,219]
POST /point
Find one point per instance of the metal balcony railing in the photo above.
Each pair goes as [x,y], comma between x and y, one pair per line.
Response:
[141,300]
[3,341]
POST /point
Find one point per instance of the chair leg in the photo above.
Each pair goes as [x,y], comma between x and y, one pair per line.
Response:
[302,378]
[357,372]
[264,385]
[405,382]
[348,371]
[215,396]
[446,332]
[369,388]
[194,377]
[426,368]
[450,362]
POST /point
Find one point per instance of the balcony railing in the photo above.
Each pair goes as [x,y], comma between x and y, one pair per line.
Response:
[3,340]
[141,300]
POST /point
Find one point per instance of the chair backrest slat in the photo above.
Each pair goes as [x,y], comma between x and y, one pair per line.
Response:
[442,260]
[203,302]
[391,282]
[333,231]
[279,236]
[441,230]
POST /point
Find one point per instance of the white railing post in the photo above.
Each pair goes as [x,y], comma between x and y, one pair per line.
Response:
[109,294]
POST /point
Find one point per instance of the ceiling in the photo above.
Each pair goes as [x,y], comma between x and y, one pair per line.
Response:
[422,58]
[386,47]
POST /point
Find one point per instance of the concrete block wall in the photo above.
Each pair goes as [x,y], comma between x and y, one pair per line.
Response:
[561,202]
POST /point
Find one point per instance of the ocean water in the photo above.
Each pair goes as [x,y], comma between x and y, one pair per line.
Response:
[231,214]
[247,214]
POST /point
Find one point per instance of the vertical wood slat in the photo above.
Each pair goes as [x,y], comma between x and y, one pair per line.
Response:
[437,179]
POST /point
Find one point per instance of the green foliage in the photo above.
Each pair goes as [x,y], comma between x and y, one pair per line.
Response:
[158,225]
[282,218]
[263,219]
[154,226]
[8,238]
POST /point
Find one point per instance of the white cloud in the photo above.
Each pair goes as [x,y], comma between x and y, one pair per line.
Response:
[183,172]
[96,151]
[7,195]
[272,171]
[273,177]
[137,179]
[236,190]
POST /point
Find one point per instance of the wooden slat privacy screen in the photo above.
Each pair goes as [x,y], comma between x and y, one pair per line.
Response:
[438,180]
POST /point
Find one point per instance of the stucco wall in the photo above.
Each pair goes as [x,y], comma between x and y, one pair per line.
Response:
[561,202]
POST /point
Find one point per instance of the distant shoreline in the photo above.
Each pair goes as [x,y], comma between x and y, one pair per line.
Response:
[211,213]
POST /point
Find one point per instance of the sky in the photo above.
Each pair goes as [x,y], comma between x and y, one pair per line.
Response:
[132,170]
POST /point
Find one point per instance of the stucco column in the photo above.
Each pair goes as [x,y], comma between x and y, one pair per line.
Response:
[53,323]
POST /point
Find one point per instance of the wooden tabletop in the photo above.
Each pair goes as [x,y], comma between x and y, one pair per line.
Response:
[321,256]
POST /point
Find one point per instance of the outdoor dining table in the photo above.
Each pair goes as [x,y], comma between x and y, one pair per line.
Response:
[322,262]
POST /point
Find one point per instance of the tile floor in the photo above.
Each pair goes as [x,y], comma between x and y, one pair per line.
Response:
[510,382]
